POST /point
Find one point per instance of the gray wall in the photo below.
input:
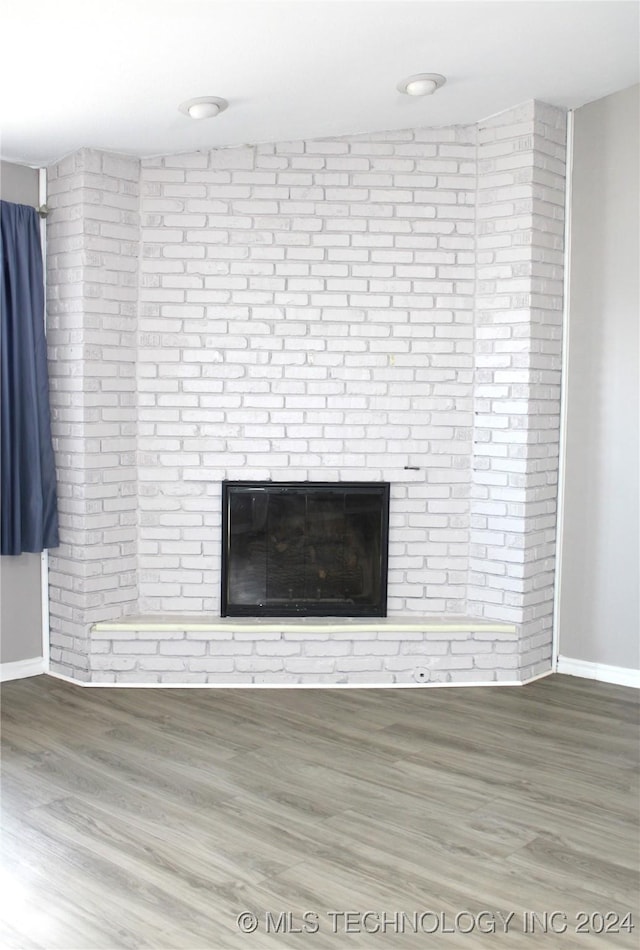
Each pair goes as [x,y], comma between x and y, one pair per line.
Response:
[599,617]
[20,598]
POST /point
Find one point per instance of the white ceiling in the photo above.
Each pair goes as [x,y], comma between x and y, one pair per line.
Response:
[111,74]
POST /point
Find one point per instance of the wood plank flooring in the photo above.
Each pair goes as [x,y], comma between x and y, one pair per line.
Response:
[147,818]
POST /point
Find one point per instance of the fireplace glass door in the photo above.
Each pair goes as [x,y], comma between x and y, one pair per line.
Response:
[304,549]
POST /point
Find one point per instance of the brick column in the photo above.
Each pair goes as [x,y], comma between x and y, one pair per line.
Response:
[93,246]
[520,228]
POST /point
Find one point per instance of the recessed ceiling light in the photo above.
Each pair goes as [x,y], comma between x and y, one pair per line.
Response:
[422,84]
[206,107]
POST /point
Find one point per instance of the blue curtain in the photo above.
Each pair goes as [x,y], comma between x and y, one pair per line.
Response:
[28,516]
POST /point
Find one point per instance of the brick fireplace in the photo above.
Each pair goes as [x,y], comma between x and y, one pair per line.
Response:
[383,307]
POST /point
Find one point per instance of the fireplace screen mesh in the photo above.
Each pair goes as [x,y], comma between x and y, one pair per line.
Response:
[304,549]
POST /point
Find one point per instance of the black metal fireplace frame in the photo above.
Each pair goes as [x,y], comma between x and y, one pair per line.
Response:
[230,609]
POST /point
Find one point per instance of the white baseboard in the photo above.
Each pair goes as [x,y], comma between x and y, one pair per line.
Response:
[240,685]
[620,675]
[20,669]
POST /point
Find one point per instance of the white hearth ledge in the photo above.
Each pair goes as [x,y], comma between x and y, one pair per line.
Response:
[190,623]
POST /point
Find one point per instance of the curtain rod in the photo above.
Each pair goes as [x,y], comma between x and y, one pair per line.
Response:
[42,210]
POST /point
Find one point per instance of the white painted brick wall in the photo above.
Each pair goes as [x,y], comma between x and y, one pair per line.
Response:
[521,177]
[380,306]
[280,657]
[92,289]
[307,312]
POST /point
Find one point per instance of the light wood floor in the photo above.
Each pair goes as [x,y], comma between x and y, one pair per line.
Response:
[152,818]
